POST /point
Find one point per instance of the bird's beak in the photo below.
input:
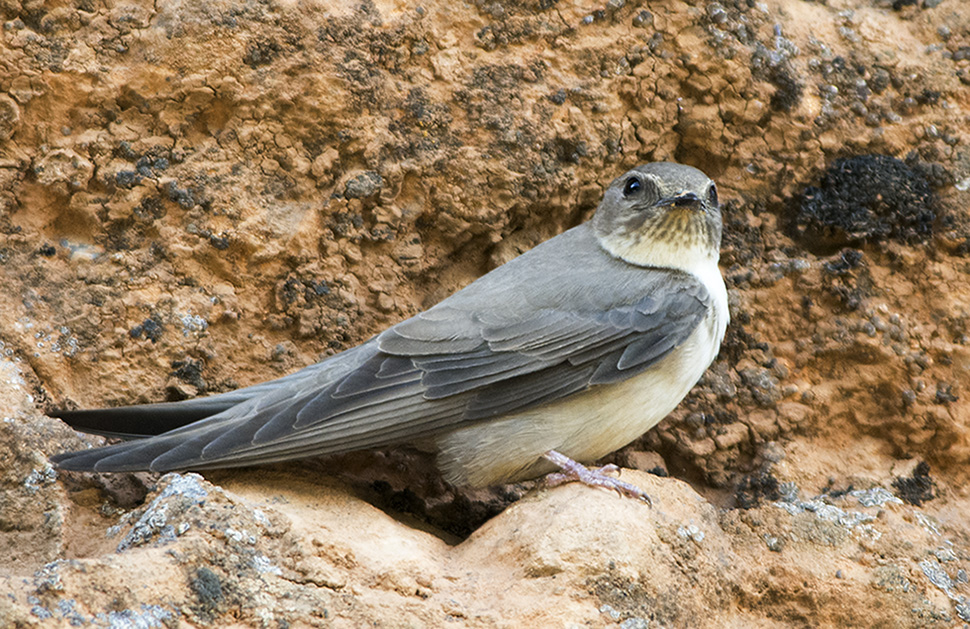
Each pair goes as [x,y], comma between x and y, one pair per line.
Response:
[687,200]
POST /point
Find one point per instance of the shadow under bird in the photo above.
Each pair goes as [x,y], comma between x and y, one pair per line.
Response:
[566,353]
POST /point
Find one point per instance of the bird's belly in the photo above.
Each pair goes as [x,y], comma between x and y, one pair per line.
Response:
[585,426]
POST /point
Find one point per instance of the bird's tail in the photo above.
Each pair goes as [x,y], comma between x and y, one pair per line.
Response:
[182,430]
[147,420]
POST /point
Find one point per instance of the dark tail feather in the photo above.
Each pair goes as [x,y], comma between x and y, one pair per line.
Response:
[148,420]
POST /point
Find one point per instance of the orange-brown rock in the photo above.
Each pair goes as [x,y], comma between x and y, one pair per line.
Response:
[199,196]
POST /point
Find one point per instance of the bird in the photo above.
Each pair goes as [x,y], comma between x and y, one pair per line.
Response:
[554,359]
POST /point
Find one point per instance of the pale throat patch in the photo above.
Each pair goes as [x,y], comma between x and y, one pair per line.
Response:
[690,255]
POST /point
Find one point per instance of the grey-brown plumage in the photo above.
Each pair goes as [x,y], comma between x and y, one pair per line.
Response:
[579,346]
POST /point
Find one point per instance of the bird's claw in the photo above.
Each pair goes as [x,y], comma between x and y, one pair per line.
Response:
[594,477]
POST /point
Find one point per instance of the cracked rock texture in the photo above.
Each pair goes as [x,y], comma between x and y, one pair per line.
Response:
[196,196]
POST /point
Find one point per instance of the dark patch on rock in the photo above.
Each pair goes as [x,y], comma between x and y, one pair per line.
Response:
[568,150]
[945,394]
[917,488]
[790,89]
[261,52]
[867,198]
[220,241]
[848,279]
[179,195]
[364,185]
[150,209]
[149,329]
[127,179]
[847,260]
[755,489]
[558,97]
[207,587]
[190,372]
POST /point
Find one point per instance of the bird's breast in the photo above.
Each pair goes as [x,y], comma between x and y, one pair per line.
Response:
[585,426]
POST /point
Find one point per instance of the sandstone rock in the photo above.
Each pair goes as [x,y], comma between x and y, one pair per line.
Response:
[199,196]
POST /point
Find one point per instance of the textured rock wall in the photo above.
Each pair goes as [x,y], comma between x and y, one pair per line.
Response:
[197,196]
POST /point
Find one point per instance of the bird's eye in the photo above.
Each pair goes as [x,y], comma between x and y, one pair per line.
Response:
[632,186]
[712,195]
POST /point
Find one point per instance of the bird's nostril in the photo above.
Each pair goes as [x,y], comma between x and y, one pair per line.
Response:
[686,200]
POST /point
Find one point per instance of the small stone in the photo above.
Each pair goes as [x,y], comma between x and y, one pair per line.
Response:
[385,303]
[364,185]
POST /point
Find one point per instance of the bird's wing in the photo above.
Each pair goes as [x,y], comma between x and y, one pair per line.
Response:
[508,345]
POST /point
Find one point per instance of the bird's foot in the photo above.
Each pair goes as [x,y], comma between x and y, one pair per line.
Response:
[595,477]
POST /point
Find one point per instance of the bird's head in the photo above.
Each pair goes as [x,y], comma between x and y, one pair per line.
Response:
[661,215]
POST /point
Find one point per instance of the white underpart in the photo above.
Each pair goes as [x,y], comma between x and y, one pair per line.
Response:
[590,425]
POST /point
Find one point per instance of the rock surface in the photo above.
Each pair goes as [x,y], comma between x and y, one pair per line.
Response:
[199,196]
